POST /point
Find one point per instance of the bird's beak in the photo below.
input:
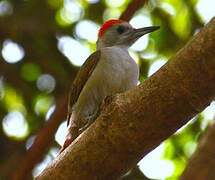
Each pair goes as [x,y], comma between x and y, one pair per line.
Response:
[137,33]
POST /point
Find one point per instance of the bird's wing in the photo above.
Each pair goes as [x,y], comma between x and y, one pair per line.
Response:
[80,80]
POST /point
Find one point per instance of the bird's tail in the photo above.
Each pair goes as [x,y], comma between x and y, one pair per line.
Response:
[66,144]
[71,136]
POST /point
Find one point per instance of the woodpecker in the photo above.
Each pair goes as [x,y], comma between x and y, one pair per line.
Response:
[109,70]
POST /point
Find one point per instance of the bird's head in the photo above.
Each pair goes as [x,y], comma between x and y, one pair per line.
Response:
[118,32]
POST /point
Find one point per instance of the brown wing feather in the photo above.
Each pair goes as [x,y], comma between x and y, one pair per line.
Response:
[80,80]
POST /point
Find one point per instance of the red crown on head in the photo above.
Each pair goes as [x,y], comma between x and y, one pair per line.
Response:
[108,24]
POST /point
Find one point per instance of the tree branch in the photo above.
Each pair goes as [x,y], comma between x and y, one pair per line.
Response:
[132,8]
[201,165]
[42,142]
[135,122]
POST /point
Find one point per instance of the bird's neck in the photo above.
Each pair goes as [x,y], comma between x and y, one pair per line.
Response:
[100,45]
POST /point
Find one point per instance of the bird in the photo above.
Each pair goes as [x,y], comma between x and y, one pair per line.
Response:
[109,70]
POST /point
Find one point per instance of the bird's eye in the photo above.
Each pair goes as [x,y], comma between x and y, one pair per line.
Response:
[121,29]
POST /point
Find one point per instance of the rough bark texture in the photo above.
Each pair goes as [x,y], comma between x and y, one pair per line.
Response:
[46,135]
[202,164]
[135,122]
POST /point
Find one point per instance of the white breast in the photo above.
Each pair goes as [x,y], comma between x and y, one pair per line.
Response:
[122,68]
[115,72]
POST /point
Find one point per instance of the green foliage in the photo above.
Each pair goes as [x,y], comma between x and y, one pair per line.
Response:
[30,71]
[37,27]
[180,146]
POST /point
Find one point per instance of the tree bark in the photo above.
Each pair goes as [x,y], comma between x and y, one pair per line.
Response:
[46,136]
[133,123]
[202,164]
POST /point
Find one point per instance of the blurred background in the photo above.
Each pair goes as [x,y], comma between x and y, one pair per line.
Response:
[44,42]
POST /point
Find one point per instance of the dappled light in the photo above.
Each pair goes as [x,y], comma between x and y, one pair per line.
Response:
[50,112]
[12,52]
[149,55]
[190,148]
[92,1]
[5,8]
[43,45]
[29,142]
[209,112]
[114,4]
[154,167]
[156,65]
[69,13]
[111,14]
[168,8]
[61,133]
[13,100]
[15,125]
[46,83]
[30,71]
[138,22]
[87,30]
[76,51]
[43,103]
[53,152]
[42,165]
[134,55]
[205,8]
